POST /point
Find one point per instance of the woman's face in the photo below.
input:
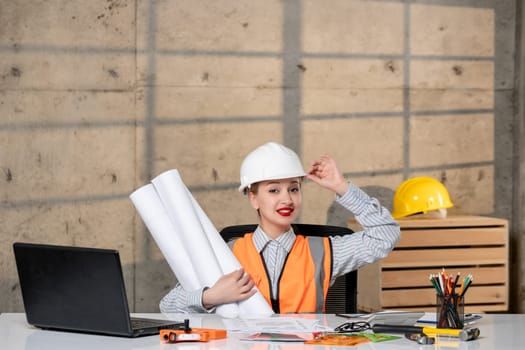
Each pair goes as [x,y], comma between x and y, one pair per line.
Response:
[278,203]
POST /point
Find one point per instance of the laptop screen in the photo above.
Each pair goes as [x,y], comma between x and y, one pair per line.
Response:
[73,288]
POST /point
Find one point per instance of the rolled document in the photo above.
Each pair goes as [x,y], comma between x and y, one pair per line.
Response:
[256,305]
[178,206]
[150,208]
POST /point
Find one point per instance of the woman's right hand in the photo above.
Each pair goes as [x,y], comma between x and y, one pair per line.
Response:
[232,287]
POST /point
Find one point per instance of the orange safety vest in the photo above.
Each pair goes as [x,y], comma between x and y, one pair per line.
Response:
[304,281]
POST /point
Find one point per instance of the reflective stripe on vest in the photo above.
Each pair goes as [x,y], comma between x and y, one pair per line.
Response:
[304,281]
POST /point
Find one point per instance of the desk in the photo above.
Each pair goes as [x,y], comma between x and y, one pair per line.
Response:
[498,331]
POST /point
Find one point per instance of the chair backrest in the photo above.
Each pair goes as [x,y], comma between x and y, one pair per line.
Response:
[342,295]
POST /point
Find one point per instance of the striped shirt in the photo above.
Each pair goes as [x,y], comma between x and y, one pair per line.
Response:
[350,252]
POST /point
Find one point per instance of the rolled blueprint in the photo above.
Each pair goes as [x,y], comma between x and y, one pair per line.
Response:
[256,305]
[149,206]
[178,206]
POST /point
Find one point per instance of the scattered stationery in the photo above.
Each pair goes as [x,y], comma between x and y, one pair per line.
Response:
[463,334]
[429,319]
[303,330]
[290,325]
[274,337]
[348,339]
[387,317]
[338,339]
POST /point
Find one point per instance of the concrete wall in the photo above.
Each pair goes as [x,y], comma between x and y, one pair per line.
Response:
[518,217]
[97,97]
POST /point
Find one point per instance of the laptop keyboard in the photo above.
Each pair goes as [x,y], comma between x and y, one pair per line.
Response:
[137,323]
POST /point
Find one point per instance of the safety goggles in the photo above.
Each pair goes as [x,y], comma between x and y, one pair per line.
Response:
[349,327]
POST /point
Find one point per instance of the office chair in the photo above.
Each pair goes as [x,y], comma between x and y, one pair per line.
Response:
[342,295]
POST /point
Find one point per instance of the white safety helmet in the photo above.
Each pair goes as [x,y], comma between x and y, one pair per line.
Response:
[270,161]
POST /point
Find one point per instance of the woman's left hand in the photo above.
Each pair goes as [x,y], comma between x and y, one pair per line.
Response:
[325,173]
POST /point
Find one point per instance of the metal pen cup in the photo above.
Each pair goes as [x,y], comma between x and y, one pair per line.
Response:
[450,311]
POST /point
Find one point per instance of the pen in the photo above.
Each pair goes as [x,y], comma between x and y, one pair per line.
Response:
[435,284]
[455,283]
[466,287]
[464,284]
[441,284]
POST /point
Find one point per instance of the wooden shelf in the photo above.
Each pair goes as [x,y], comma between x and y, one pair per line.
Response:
[464,244]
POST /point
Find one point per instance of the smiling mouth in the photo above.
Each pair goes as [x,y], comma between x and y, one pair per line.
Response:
[285,211]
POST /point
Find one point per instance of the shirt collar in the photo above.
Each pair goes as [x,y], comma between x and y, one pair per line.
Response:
[260,239]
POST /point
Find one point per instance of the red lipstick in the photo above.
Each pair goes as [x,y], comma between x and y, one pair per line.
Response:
[287,211]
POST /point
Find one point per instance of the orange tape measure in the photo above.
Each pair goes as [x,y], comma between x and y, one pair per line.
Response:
[191,334]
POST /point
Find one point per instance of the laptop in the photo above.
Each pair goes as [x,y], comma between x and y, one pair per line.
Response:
[78,289]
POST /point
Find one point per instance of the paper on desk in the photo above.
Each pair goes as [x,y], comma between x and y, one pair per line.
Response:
[407,318]
[430,319]
[277,337]
[273,325]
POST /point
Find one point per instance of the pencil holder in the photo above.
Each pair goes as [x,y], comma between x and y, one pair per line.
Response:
[449,313]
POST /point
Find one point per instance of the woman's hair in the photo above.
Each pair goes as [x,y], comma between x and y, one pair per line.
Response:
[253,188]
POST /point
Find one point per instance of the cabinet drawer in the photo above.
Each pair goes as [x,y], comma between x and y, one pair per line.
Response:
[465,244]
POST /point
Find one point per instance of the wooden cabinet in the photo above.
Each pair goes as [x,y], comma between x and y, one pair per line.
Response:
[466,244]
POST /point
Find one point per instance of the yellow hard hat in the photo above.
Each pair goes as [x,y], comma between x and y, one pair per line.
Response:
[419,195]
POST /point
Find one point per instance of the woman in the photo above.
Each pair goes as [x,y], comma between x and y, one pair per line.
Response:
[292,272]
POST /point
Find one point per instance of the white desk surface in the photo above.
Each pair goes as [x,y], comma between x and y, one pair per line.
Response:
[498,331]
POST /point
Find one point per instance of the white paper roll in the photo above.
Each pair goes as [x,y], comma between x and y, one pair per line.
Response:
[178,205]
[150,208]
[256,305]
